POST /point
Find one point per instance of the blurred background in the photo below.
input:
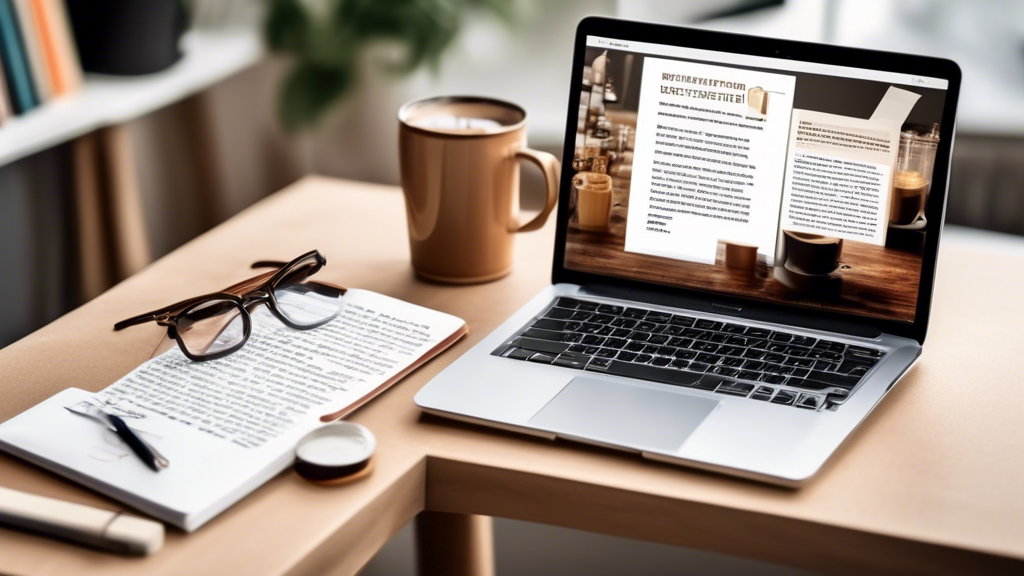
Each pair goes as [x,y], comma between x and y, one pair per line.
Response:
[128,130]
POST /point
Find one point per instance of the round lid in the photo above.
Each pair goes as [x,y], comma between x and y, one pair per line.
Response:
[334,451]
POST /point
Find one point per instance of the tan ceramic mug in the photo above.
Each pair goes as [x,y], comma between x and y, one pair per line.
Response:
[460,174]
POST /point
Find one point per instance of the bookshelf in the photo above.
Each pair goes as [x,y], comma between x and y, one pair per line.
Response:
[209,57]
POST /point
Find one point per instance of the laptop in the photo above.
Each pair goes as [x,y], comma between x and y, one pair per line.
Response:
[746,243]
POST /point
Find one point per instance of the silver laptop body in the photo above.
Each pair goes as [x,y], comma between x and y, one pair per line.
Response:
[791,378]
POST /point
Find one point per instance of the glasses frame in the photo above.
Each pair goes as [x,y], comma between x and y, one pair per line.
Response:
[245,295]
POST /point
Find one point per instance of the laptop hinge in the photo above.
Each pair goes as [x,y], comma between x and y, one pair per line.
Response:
[729,308]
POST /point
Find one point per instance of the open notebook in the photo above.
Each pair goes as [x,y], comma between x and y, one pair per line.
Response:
[229,425]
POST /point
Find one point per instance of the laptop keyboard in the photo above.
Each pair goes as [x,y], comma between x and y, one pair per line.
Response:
[733,359]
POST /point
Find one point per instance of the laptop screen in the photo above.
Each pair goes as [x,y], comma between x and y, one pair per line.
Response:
[770,179]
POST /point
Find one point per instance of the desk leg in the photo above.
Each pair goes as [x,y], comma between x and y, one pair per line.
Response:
[454,544]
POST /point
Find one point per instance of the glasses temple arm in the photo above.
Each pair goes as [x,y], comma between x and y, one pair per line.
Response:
[268,264]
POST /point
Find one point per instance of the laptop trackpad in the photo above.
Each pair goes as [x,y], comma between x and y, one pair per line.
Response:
[624,414]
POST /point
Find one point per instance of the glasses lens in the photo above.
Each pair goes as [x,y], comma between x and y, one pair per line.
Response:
[212,327]
[303,301]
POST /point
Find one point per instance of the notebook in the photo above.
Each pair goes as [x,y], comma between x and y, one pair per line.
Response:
[229,425]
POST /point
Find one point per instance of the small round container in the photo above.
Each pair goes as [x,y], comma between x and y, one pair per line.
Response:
[335,453]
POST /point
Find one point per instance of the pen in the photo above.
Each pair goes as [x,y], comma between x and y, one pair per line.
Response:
[148,454]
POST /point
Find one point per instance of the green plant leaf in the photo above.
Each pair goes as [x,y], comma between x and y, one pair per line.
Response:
[287,26]
[309,91]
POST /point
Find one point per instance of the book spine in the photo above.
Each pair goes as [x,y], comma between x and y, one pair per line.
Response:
[19,77]
[33,49]
[70,66]
[46,33]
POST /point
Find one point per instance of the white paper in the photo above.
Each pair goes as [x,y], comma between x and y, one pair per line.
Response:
[838,176]
[895,106]
[228,425]
[706,166]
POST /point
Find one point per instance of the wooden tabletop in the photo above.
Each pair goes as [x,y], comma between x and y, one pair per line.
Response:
[930,483]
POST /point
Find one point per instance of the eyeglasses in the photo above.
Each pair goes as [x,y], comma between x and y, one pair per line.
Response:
[215,325]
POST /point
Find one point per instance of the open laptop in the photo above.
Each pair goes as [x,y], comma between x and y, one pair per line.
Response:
[760,274]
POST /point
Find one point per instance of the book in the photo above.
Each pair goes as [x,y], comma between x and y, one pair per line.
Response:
[5,103]
[58,45]
[32,43]
[12,53]
[229,425]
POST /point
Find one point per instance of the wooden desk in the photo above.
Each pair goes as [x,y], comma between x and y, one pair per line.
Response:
[929,484]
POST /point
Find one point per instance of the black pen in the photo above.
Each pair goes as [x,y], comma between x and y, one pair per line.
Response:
[149,456]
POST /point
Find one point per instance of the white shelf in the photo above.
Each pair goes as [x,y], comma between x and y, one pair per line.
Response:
[209,57]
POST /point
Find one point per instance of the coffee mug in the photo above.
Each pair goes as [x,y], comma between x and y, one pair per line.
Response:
[812,254]
[593,200]
[460,175]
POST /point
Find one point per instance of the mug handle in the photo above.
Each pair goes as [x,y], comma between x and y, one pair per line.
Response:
[549,165]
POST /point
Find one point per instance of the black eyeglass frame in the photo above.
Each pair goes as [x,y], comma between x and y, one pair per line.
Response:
[245,296]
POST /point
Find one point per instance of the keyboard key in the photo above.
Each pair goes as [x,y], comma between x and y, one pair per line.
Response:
[635,346]
[848,366]
[605,330]
[626,356]
[673,330]
[825,365]
[803,340]
[862,351]
[762,397]
[735,388]
[634,313]
[758,332]
[559,313]
[799,372]
[784,397]
[773,357]
[738,340]
[710,382]
[610,309]
[581,315]
[564,302]
[599,364]
[602,318]
[658,317]
[679,320]
[572,337]
[754,354]
[590,350]
[809,401]
[708,358]
[617,343]
[753,365]
[773,378]
[571,360]
[593,340]
[698,367]
[651,349]
[805,384]
[731,361]
[679,364]
[717,337]
[577,348]
[725,371]
[643,358]
[540,345]
[623,323]
[588,306]
[639,336]
[666,351]
[646,326]
[781,337]
[541,358]
[727,350]
[704,347]
[660,361]
[607,353]
[518,353]
[685,354]
[748,375]
[734,328]
[544,334]
[680,342]
[771,368]
[588,328]
[658,339]
[835,379]
[694,333]
[653,373]
[799,362]
[765,390]
[798,351]
[549,324]
[705,324]
[621,332]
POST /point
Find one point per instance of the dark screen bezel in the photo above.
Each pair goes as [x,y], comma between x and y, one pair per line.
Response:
[784,49]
